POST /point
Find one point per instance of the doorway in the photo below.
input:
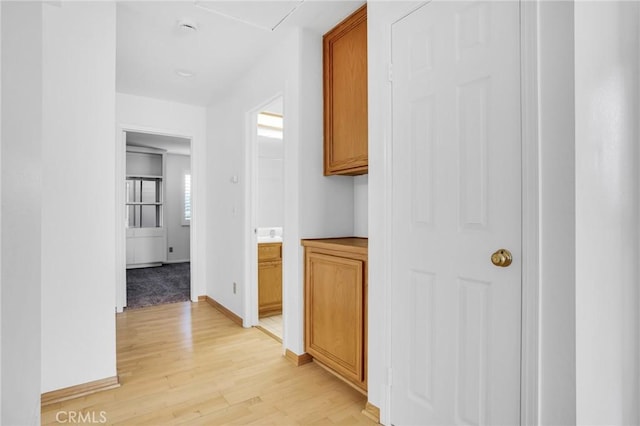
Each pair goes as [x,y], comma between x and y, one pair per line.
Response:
[267,128]
[157,200]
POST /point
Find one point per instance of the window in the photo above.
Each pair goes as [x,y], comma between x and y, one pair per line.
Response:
[144,202]
[270,125]
[186,217]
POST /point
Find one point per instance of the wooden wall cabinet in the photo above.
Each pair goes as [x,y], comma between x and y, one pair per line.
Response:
[336,306]
[345,96]
[269,279]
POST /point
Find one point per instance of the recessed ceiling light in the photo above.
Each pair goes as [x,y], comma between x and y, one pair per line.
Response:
[184,73]
[187,26]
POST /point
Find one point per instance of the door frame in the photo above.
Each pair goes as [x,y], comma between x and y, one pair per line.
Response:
[529,368]
[250,300]
[121,240]
[530,212]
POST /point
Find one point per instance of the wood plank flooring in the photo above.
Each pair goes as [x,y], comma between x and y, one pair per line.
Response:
[186,363]
[272,324]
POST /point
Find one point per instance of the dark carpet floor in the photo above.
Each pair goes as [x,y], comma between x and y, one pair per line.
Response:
[154,286]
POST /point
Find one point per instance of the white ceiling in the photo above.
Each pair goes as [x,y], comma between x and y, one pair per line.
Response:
[267,15]
[231,37]
[171,144]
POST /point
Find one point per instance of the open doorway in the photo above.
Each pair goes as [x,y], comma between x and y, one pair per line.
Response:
[157,219]
[268,206]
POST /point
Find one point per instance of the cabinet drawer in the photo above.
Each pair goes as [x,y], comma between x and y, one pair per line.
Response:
[269,251]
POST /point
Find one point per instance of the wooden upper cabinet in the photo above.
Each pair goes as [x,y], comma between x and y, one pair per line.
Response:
[345,96]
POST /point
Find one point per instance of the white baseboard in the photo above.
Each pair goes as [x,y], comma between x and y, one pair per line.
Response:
[143,265]
[178,261]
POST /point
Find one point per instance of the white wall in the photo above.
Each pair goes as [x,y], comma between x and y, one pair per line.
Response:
[175,119]
[270,183]
[177,233]
[144,163]
[557,379]
[380,16]
[326,202]
[21,211]
[78,235]
[227,132]
[315,206]
[361,206]
[0,213]
[607,182]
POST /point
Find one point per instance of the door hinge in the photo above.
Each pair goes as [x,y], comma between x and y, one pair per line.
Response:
[390,72]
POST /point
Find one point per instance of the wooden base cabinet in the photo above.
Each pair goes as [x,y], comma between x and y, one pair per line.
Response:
[335,305]
[269,279]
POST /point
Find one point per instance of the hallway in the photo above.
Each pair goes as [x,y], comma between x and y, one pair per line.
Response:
[186,363]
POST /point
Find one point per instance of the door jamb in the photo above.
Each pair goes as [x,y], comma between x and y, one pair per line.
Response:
[251,317]
[529,368]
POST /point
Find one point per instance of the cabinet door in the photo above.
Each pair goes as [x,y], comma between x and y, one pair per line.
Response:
[345,96]
[334,313]
[269,288]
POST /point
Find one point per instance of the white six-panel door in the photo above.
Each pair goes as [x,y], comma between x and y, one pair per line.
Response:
[456,200]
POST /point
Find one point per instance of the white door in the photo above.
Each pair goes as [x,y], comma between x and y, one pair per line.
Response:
[456,200]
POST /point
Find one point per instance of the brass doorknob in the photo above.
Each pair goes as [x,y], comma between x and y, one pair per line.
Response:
[502,258]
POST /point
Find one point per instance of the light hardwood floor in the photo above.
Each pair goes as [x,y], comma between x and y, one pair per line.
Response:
[186,363]
[272,324]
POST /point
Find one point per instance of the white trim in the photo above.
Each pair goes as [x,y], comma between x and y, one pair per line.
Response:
[387,271]
[121,240]
[183,220]
[250,317]
[176,261]
[385,414]
[529,405]
[145,265]
[121,254]
[250,302]
[145,150]
[163,207]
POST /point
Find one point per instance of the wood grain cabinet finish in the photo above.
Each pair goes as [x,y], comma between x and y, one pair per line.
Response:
[269,279]
[335,305]
[345,96]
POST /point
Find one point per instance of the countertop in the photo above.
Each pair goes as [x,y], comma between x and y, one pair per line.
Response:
[352,244]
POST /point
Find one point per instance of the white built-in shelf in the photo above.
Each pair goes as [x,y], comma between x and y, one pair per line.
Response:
[137,203]
[143,177]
